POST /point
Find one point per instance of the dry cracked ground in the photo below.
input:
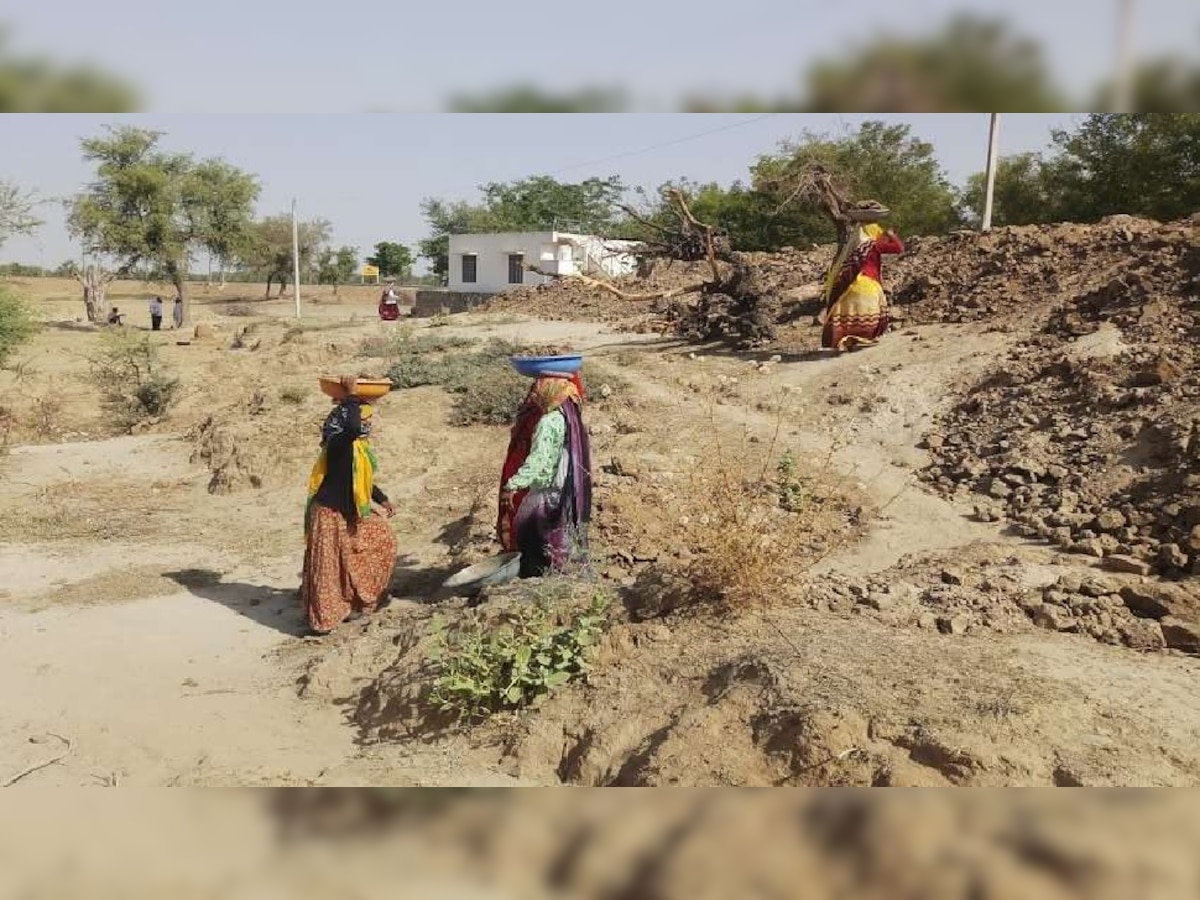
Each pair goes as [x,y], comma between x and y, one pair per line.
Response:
[927,632]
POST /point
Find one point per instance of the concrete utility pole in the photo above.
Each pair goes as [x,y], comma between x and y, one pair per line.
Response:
[1123,84]
[990,190]
[296,257]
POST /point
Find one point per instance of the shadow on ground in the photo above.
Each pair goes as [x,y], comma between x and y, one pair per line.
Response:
[271,607]
[414,580]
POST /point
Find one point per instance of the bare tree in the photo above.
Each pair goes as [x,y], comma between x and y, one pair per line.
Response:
[731,304]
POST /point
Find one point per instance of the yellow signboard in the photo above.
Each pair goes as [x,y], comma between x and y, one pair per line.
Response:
[370,271]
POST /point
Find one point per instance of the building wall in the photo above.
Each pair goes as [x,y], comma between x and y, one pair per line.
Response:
[430,303]
[492,252]
[555,252]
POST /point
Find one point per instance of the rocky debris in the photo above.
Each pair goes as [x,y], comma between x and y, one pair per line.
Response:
[975,598]
[1180,635]
[1086,450]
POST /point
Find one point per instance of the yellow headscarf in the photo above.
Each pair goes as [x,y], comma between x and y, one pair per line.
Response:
[548,393]
[363,473]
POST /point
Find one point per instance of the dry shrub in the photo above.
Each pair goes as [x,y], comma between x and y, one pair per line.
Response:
[135,384]
[755,519]
[7,420]
[239,310]
[46,417]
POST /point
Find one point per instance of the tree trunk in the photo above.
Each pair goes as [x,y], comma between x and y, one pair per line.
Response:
[95,286]
[177,278]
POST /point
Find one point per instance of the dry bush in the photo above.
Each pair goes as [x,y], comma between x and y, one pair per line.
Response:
[240,310]
[755,519]
[7,420]
[135,384]
[46,417]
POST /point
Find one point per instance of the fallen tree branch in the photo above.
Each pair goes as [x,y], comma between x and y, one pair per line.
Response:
[616,291]
[44,765]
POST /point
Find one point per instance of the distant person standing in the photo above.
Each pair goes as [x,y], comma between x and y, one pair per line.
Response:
[156,314]
[177,313]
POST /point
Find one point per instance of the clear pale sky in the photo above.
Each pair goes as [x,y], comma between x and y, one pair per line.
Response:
[368,173]
[361,55]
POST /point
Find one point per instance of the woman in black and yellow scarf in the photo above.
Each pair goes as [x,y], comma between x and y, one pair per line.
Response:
[351,551]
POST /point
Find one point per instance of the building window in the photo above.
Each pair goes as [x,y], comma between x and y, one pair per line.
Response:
[516,274]
[469,267]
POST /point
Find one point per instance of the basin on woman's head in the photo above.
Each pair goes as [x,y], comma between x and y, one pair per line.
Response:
[496,570]
[539,366]
[368,388]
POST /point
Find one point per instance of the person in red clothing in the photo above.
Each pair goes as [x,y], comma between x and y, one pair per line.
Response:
[389,304]
[856,309]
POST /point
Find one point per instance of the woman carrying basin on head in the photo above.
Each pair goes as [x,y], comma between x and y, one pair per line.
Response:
[855,304]
[546,482]
[350,550]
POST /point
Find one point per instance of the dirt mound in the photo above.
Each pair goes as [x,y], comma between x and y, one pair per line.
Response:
[796,697]
[1089,436]
[963,277]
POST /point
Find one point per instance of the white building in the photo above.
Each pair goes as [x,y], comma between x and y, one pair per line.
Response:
[491,263]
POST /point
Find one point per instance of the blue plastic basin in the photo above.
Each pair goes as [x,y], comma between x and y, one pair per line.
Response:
[537,366]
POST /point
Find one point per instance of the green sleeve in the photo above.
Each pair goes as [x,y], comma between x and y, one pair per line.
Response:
[542,463]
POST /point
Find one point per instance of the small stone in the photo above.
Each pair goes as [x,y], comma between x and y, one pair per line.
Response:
[927,621]
[1180,635]
[879,601]
[1194,538]
[1051,619]
[1171,555]
[1156,600]
[1071,582]
[953,624]
[1057,472]
[950,576]
[1141,635]
[999,489]
[1109,521]
[1131,564]
[1095,587]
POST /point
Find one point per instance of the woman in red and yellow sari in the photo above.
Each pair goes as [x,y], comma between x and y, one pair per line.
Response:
[855,304]
[546,482]
[350,552]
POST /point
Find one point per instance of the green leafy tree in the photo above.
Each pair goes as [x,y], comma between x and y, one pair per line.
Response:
[969,64]
[337,266]
[1144,164]
[878,161]
[540,203]
[16,324]
[747,215]
[445,219]
[153,209]
[346,261]
[394,260]
[1022,195]
[16,212]
[35,85]
[272,248]
[1160,85]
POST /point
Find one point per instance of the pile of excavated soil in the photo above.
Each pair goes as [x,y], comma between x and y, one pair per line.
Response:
[795,696]
[1089,434]
[963,277]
